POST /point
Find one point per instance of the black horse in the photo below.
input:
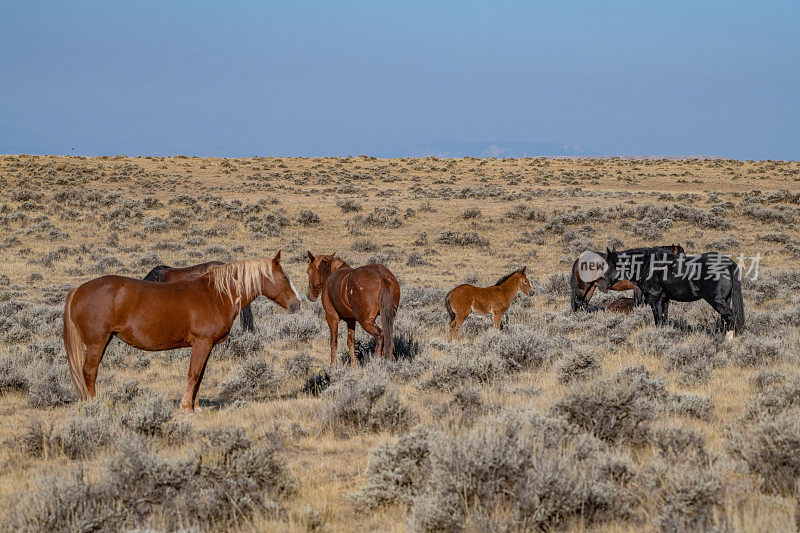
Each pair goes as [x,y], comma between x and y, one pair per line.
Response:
[581,291]
[166,274]
[663,276]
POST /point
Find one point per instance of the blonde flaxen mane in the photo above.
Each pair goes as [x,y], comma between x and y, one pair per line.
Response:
[241,279]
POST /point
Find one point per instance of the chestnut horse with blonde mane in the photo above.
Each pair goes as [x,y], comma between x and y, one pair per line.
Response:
[196,313]
[465,298]
[355,295]
[168,274]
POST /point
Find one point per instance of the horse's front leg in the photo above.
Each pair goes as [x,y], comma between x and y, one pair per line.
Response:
[638,296]
[333,325]
[655,305]
[497,318]
[200,350]
[199,381]
[665,311]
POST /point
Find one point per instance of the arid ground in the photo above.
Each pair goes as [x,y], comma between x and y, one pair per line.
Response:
[569,421]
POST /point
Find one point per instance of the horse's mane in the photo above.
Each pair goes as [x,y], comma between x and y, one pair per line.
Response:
[157,274]
[337,263]
[241,279]
[504,278]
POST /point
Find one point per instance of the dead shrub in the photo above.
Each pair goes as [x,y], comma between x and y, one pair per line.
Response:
[612,410]
[366,404]
[509,474]
[579,365]
[49,392]
[218,488]
[396,471]
[256,379]
[771,451]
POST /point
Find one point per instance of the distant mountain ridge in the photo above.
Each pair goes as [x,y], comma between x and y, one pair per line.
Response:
[499,149]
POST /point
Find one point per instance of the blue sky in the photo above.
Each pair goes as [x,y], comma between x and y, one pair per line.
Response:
[305,78]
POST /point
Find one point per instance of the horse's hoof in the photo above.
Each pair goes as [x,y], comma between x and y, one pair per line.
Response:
[187,410]
[729,335]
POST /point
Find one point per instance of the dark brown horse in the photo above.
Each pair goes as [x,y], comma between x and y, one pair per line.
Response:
[464,299]
[168,274]
[581,291]
[621,305]
[355,295]
[196,312]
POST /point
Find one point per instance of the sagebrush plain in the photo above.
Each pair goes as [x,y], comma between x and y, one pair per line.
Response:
[567,421]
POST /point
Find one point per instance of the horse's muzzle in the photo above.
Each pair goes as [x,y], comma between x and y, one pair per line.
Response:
[294,306]
[310,297]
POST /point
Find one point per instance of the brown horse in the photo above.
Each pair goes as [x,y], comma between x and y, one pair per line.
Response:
[168,274]
[621,305]
[355,295]
[581,291]
[196,312]
[464,299]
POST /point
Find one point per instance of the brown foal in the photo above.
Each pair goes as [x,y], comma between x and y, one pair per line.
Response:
[464,299]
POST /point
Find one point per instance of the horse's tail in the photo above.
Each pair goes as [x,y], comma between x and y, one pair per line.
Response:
[387,319]
[157,274]
[447,306]
[246,319]
[76,352]
[573,288]
[737,303]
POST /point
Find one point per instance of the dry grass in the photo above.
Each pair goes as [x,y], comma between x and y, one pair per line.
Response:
[709,436]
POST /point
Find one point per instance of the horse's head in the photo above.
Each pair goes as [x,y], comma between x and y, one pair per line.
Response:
[280,288]
[612,274]
[524,284]
[319,268]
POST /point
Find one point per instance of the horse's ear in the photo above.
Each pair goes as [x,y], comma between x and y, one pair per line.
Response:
[333,255]
[310,256]
[523,269]
[608,252]
[277,258]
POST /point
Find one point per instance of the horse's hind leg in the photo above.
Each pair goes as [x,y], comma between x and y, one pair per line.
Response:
[94,354]
[722,307]
[457,325]
[372,328]
[351,341]
[197,362]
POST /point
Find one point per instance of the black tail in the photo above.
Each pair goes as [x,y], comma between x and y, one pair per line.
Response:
[157,274]
[737,303]
[387,319]
[573,286]
[450,311]
[246,319]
